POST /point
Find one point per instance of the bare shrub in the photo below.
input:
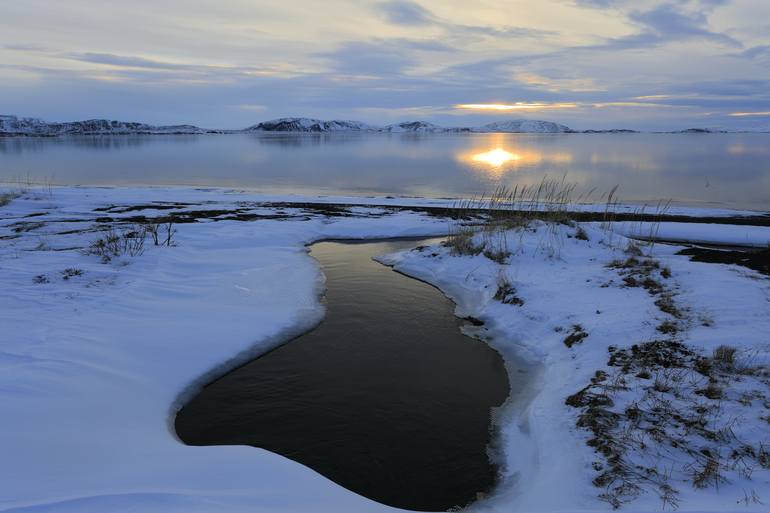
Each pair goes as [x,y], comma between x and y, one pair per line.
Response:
[161,232]
[170,232]
[153,229]
[128,241]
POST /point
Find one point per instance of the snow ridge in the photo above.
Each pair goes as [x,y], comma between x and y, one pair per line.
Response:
[308,125]
[12,125]
[317,125]
[525,126]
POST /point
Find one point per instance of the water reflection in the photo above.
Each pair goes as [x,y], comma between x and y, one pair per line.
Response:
[499,157]
[729,169]
[496,157]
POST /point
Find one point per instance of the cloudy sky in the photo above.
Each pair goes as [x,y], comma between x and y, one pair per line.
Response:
[645,64]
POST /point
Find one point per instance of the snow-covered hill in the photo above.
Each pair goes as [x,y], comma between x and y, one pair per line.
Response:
[12,125]
[317,125]
[414,126]
[525,126]
[309,125]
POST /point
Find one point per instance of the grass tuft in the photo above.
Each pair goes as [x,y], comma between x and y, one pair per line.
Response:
[576,336]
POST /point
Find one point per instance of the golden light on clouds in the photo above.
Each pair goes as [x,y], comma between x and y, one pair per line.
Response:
[653,97]
[515,106]
[744,114]
[575,85]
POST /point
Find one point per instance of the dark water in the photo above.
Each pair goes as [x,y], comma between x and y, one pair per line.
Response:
[731,170]
[386,397]
[756,259]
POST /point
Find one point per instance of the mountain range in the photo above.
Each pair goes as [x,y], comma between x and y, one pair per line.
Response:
[15,126]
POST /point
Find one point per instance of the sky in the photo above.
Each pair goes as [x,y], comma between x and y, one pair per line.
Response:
[590,64]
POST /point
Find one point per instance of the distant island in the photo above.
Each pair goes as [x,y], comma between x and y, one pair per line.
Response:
[32,127]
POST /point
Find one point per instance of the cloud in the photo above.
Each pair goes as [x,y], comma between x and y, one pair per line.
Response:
[597,4]
[394,59]
[745,114]
[250,107]
[664,23]
[577,85]
[130,61]
[20,47]
[378,58]
[756,52]
[404,12]
[408,13]
[504,107]
[668,23]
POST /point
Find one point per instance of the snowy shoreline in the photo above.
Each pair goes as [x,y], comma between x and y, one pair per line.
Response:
[98,353]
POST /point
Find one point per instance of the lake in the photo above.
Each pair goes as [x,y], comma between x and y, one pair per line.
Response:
[725,170]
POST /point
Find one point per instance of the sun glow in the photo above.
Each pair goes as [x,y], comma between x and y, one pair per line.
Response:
[496,157]
[498,154]
[515,106]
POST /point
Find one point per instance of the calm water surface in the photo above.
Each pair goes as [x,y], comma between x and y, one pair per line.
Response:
[721,169]
[385,397]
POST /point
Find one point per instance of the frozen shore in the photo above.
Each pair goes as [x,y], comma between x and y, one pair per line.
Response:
[96,356]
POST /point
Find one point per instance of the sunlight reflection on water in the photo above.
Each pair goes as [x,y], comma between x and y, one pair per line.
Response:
[712,169]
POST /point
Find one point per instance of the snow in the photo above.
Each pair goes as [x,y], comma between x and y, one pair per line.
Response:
[308,125]
[12,125]
[32,126]
[722,234]
[525,126]
[94,366]
[414,126]
[548,464]
[317,125]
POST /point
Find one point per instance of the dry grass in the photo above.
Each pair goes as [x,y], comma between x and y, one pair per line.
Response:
[7,197]
[485,221]
[576,336]
[129,240]
[725,356]
[114,242]
[678,426]
[506,292]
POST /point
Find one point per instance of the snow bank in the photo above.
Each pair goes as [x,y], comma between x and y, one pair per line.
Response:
[723,234]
